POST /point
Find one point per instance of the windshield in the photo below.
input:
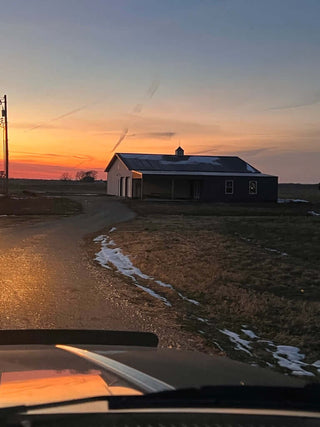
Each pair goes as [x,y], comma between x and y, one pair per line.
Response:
[160,173]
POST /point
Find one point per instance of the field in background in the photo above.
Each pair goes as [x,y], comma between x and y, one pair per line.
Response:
[56,186]
[310,192]
[27,205]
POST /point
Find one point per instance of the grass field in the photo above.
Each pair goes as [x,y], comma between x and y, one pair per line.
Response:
[252,268]
[46,197]
[57,187]
[38,205]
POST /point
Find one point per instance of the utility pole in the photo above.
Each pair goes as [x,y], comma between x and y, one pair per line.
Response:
[4,124]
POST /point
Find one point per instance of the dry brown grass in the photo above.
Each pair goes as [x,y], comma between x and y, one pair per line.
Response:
[236,280]
[38,205]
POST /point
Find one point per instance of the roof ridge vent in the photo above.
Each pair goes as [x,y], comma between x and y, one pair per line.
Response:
[179,152]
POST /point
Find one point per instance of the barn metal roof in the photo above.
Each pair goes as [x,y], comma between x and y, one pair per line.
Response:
[177,164]
[181,173]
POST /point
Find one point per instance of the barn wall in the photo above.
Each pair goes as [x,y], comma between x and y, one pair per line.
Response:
[157,186]
[211,188]
[118,170]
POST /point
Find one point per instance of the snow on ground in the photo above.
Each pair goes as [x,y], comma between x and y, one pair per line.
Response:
[286,356]
[193,301]
[290,357]
[247,239]
[240,343]
[201,319]
[293,201]
[111,256]
[276,251]
[249,333]
[313,213]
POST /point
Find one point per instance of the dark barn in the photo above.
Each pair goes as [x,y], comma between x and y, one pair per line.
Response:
[182,177]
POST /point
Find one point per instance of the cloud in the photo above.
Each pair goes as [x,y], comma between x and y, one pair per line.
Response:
[209,151]
[153,135]
[66,114]
[27,125]
[137,109]
[69,113]
[31,155]
[43,171]
[310,100]
[255,151]
[291,166]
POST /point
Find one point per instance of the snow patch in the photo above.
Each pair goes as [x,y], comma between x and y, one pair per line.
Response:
[249,333]
[293,201]
[313,213]
[276,251]
[164,285]
[250,168]
[240,344]
[316,364]
[201,319]
[111,256]
[290,357]
[246,239]
[193,160]
[286,356]
[193,301]
[217,345]
[112,229]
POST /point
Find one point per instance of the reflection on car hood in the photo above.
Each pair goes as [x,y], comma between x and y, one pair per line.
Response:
[34,373]
[43,386]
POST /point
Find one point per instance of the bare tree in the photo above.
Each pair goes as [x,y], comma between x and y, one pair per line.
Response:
[86,176]
[66,176]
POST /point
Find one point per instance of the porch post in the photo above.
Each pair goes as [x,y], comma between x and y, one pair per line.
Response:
[141,187]
[172,188]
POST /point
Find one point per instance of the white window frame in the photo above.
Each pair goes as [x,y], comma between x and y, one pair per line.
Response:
[225,186]
[256,192]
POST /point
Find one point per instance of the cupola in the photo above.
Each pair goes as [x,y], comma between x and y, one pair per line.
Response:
[179,152]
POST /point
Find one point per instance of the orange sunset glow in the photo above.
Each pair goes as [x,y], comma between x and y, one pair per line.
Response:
[160,75]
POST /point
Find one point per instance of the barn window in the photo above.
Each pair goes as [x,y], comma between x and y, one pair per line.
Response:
[253,187]
[228,187]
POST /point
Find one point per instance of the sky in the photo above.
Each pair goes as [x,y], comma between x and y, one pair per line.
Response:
[218,77]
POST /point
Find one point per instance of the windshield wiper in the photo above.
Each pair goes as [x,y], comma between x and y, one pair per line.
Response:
[305,398]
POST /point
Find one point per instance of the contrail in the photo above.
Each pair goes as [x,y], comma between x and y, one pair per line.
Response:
[137,109]
[69,113]
[122,136]
[153,88]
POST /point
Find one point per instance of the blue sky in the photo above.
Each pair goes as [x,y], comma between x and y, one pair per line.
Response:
[231,76]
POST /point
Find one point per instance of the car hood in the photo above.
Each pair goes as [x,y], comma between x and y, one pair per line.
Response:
[32,374]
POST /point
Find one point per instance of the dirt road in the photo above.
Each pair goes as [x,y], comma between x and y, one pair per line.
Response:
[45,278]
